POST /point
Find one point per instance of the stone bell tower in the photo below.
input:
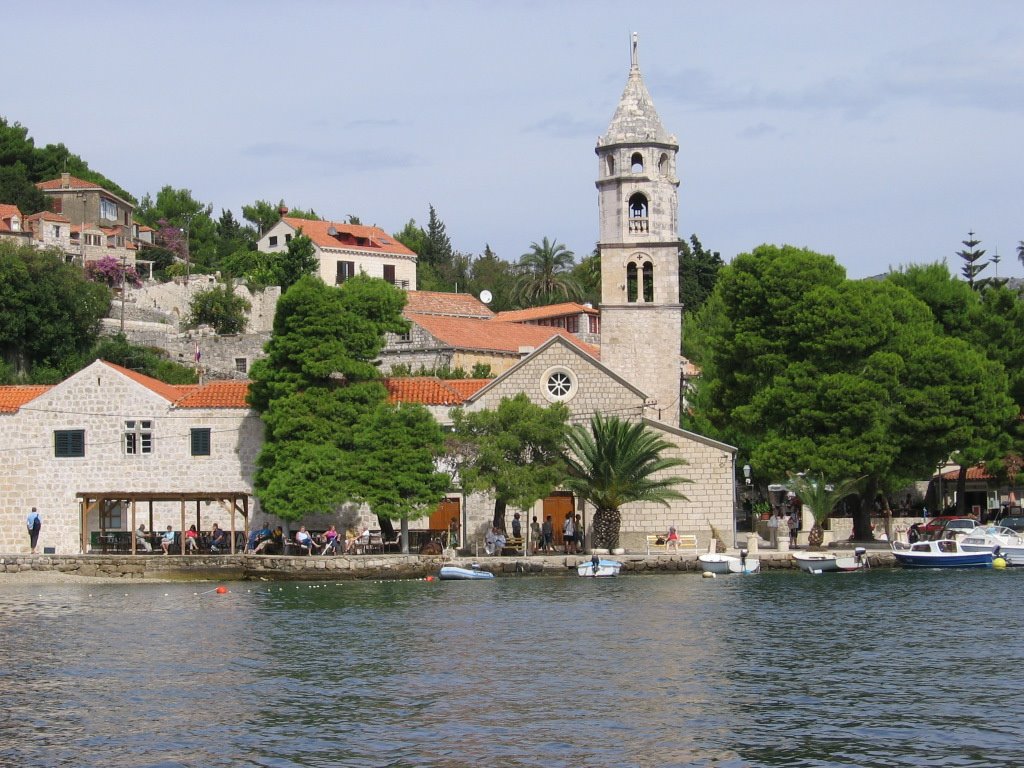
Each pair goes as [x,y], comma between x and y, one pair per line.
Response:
[638,202]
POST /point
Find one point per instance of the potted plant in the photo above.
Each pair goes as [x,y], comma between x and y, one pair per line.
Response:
[821,498]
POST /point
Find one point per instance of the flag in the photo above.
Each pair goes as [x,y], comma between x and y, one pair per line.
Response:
[198,353]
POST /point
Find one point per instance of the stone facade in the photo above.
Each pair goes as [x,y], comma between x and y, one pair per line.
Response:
[99,400]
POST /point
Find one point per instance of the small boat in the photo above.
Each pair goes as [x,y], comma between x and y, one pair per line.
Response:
[944,553]
[454,572]
[713,562]
[827,562]
[999,540]
[597,566]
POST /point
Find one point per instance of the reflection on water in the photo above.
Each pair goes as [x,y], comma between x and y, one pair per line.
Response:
[779,669]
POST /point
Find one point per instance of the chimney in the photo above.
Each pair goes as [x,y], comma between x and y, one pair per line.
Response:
[283,210]
[65,180]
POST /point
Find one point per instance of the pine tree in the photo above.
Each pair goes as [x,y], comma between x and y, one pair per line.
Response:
[971,255]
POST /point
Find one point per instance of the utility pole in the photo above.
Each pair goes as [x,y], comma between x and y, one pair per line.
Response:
[124,269]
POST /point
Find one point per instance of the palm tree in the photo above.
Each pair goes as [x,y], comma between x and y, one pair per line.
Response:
[614,462]
[821,498]
[545,272]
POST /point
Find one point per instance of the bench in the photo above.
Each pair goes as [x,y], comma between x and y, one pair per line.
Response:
[513,546]
[686,541]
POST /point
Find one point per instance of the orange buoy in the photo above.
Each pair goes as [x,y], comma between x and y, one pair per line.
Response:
[430,578]
[221,590]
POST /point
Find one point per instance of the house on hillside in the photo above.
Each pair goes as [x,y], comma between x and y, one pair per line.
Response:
[347,249]
[12,225]
[101,223]
[50,230]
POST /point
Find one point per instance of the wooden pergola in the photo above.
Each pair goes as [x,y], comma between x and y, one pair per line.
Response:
[103,501]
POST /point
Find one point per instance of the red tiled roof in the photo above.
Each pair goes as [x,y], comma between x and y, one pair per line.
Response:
[48,216]
[348,235]
[973,473]
[542,313]
[73,183]
[454,304]
[468,387]
[216,394]
[6,213]
[492,335]
[13,397]
[170,392]
[426,390]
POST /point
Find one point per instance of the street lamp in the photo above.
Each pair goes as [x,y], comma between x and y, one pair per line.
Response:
[746,475]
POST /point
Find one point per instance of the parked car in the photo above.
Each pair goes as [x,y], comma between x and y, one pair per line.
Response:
[1016,522]
[933,526]
[960,526]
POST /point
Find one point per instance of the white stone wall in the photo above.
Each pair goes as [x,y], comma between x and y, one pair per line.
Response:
[98,400]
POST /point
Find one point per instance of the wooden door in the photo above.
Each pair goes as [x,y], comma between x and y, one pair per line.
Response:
[441,518]
[557,505]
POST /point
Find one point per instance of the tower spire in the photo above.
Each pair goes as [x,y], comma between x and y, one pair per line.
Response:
[634,64]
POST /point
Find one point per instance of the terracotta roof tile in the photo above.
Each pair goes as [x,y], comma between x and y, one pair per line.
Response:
[216,394]
[454,304]
[48,216]
[548,311]
[468,387]
[167,391]
[492,335]
[973,473]
[13,397]
[426,390]
[73,181]
[376,239]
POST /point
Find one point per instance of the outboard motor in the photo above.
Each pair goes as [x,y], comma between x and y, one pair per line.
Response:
[743,558]
[595,562]
[858,554]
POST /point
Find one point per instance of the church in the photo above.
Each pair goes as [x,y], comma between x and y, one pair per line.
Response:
[108,449]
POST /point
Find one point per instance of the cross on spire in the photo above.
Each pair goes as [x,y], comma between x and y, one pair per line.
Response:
[633,63]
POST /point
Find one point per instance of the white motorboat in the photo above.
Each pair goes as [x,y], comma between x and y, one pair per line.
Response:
[596,567]
[1001,541]
[944,553]
[828,562]
[713,562]
[454,572]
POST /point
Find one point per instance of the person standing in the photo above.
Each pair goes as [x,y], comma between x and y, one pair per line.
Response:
[547,533]
[569,534]
[796,508]
[517,526]
[535,534]
[580,535]
[773,529]
[35,524]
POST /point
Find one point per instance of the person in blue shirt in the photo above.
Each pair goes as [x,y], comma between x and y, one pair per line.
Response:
[167,540]
[35,524]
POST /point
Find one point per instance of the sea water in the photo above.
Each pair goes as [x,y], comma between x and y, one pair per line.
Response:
[884,668]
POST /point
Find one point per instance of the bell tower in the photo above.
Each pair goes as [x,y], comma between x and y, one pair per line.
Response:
[638,204]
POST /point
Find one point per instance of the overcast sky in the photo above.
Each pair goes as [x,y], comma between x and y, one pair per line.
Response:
[879,132]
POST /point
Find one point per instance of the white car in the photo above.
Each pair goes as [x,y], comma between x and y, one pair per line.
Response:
[958,527]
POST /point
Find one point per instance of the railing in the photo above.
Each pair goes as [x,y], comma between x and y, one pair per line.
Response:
[638,225]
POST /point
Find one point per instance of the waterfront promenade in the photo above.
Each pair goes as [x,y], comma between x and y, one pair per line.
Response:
[339,568]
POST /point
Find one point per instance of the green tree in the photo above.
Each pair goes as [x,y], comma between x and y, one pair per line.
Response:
[317,382]
[821,498]
[971,255]
[412,236]
[515,451]
[177,209]
[146,360]
[698,273]
[437,248]
[232,237]
[803,369]
[297,261]
[545,274]
[396,473]
[615,462]
[262,215]
[17,189]
[221,308]
[587,275]
[49,312]
[487,272]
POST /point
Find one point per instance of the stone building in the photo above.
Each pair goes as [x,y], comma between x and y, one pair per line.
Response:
[101,223]
[107,430]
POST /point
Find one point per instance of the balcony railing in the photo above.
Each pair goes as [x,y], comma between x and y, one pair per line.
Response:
[638,225]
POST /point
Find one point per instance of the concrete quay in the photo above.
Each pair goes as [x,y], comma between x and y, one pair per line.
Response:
[337,568]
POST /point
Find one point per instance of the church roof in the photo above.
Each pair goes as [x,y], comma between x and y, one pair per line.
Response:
[492,335]
[635,119]
[546,311]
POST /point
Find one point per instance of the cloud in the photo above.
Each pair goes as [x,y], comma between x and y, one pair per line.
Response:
[563,126]
[757,131]
[331,162]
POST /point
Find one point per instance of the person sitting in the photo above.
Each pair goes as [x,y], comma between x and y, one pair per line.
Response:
[142,539]
[494,541]
[167,540]
[672,539]
[218,539]
[329,539]
[350,541]
[304,541]
[272,544]
[257,537]
[192,539]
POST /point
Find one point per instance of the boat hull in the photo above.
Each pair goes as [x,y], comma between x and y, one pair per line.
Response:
[723,564]
[827,563]
[930,560]
[455,573]
[600,569]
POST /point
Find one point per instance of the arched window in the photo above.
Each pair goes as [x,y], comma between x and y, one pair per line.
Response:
[663,164]
[611,165]
[631,286]
[637,163]
[638,213]
[648,282]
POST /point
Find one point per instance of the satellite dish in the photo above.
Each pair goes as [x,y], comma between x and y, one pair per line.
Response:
[332,230]
[485,296]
